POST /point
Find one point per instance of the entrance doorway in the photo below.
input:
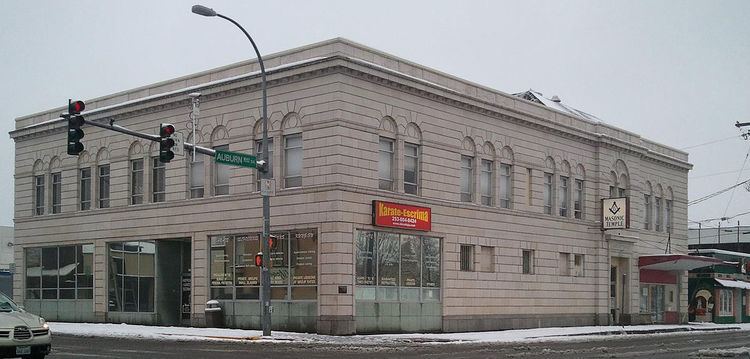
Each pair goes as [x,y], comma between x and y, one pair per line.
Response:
[174,281]
[618,289]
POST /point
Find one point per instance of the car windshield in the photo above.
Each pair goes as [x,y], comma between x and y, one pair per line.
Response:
[6,304]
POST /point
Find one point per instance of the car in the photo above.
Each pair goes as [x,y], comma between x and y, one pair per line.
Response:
[22,334]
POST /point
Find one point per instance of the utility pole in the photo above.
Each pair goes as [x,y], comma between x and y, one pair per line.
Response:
[740,125]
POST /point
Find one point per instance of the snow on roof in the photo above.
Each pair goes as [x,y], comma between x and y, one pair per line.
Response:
[556,104]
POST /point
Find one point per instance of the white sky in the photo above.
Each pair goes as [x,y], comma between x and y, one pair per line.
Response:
[672,71]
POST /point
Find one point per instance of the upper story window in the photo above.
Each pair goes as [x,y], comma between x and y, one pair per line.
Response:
[103,186]
[647,203]
[668,215]
[39,195]
[136,181]
[486,182]
[221,175]
[385,164]
[293,160]
[578,200]
[197,175]
[56,192]
[411,168]
[158,178]
[259,155]
[505,185]
[527,261]
[84,188]
[564,195]
[467,257]
[467,176]
[659,214]
[548,194]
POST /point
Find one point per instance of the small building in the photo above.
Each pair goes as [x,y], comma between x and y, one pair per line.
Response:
[406,199]
[720,293]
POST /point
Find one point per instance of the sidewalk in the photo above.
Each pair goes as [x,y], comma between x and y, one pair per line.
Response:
[506,336]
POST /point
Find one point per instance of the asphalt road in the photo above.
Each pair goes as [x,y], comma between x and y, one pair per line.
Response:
[682,345]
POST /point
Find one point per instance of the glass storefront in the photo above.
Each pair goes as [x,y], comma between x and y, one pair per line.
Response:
[293,261]
[397,267]
[63,272]
[131,276]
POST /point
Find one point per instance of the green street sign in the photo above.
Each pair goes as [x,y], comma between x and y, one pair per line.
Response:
[235,159]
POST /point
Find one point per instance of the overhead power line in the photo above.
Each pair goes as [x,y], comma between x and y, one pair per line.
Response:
[710,142]
[712,195]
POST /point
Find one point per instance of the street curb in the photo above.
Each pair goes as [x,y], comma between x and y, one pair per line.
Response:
[646,331]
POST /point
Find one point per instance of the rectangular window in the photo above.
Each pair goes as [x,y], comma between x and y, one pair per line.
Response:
[197,175]
[294,263]
[136,181]
[659,214]
[527,261]
[103,186]
[622,192]
[158,178]
[726,299]
[578,200]
[505,185]
[56,192]
[132,276]
[259,155]
[564,264]
[39,195]
[385,164]
[411,168]
[564,196]
[221,175]
[84,189]
[293,161]
[467,257]
[548,195]
[485,182]
[59,272]
[649,211]
[578,265]
[668,215]
[467,178]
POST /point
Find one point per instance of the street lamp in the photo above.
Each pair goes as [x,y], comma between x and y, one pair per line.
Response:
[265,278]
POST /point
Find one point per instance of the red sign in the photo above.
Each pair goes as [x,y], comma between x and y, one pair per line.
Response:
[388,214]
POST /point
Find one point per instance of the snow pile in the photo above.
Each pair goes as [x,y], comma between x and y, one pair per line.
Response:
[505,336]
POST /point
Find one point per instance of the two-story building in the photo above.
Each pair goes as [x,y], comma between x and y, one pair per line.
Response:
[406,199]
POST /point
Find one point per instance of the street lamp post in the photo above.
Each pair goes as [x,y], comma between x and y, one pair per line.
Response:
[265,277]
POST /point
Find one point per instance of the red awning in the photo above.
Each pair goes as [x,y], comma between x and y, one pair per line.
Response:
[676,262]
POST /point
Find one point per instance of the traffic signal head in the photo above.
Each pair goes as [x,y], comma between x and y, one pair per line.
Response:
[166,130]
[272,241]
[259,259]
[75,134]
[76,107]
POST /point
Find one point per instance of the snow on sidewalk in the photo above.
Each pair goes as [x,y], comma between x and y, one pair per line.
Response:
[505,336]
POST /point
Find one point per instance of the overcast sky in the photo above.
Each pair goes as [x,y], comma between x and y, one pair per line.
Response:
[677,72]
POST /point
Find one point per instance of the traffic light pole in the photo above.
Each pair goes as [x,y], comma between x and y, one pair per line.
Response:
[155,138]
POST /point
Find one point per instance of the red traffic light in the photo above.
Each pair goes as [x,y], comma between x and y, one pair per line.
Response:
[76,107]
[259,259]
[166,130]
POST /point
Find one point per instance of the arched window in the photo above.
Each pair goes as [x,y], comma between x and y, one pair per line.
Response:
[468,156]
[39,187]
[505,181]
[136,170]
[258,141]
[292,132]
[487,175]
[658,206]
[563,194]
[387,133]
[549,187]
[84,181]
[55,185]
[197,170]
[220,173]
[648,204]
[102,178]
[579,193]
[669,209]
[412,161]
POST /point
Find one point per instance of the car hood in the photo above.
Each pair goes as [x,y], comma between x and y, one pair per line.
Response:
[14,319]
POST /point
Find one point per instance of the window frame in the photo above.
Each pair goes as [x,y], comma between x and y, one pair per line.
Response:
[104,185]
[220,189]
[564,196]
[466,257]
[486,182]
[466,177]
[195,190]
[84,188]
[527,261]
[137,177]
[293,176]
[386,183]
[259,156]
[56,189]
[549,192]
[412,153]
[648,204]
[158,180]
[578,199]
[39,193]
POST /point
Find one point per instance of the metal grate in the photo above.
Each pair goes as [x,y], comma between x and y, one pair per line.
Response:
[21,333]
[4,334]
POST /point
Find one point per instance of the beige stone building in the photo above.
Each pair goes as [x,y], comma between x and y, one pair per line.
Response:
[406,200]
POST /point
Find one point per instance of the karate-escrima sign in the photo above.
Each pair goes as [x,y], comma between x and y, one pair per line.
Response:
[615,213]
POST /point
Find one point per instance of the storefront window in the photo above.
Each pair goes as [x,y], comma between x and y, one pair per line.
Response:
[394,267]
[131,276]
[293,266]
[60,272]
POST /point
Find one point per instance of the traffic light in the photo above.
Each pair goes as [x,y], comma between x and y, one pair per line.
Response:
[259,259]
[166,130]
[75,121]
